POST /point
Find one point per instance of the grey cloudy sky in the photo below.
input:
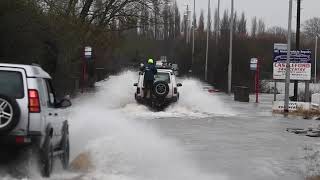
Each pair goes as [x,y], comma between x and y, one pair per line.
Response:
[273,12]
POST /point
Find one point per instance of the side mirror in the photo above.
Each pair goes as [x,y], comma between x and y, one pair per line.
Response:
[64,103]
[179,85]
[135,84]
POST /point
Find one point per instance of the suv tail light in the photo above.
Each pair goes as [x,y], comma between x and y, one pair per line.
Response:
[34,101]
[22,140]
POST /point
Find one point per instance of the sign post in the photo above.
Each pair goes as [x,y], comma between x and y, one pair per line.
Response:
[255,66]
[87,56]
[257,81]
[315,60]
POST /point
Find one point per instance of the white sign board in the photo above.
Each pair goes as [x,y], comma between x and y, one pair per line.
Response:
[298,71]
[254,61]
[88,52]
[253,67]
[253,64]
[280,46]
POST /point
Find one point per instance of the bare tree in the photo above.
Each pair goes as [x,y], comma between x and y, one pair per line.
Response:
[200,29]
[277,31]
[85,9]
[144,21]
[216,20]
[261,27]
[254,27]
[104,12]
[242,25]
[235,21]
[225,25]
[177,21]
[312,27]
[166,19]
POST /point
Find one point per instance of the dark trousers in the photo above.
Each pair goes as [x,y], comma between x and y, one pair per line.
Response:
[147,88]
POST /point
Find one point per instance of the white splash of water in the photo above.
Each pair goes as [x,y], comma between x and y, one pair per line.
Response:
[196,100]
[107,126]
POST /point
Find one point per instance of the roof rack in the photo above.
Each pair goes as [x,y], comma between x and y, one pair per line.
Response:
[164,67]
[35,64]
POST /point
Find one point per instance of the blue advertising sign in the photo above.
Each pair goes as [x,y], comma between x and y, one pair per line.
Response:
[303,56]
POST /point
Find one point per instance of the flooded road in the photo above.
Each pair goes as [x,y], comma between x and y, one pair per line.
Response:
[204,136]
[253,144]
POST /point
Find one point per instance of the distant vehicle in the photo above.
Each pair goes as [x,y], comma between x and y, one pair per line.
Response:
[175,69]
[31,115]
[164,91]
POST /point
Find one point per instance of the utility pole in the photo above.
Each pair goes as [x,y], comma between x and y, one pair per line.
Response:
[193,30]
[207,50]
[315,60]
[187,25]
[218,23]
[230,50]
[286,101]
[174,19]
[296,83]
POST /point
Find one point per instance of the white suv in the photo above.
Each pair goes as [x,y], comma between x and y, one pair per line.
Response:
[164,91]
[31,115]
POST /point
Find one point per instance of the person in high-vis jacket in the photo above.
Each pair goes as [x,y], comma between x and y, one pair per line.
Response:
[150,71]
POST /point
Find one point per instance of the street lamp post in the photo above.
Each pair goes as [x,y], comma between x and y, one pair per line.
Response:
[193,30]
[230,50]
[174,20]
[207,50]
[218,23]
[186,26]
[187,23]
[287,86]
[315,60]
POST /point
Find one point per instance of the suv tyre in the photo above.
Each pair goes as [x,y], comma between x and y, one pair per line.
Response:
[47,158]
[65,148]
[9,114]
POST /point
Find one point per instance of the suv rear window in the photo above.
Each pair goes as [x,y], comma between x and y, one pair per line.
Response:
[160,76]
[11,84]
